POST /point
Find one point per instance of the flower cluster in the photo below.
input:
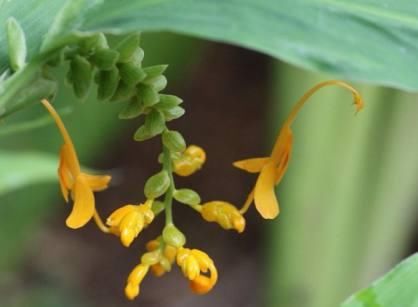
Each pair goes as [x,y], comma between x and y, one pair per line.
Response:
[120,76]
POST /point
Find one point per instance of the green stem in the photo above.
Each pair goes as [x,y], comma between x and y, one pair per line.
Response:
[168,201]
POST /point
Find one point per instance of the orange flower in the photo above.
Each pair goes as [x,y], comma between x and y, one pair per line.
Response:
[273,168]
[72,179]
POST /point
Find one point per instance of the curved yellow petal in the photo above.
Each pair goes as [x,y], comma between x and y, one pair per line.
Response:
[97,182]
[84,207]
[253,165]
[264,194]
[116,217]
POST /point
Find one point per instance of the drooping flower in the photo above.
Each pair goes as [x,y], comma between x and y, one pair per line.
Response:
[193,263]
[75,183]
[223,213]
[128,221]
[272,169]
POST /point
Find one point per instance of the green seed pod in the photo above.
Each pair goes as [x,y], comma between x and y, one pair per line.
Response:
[157,83]
[107,83]
[105,59]
[137,57]
[187,196]
[174,141]
[148,95]
[173,113]
[131,74]
[155,71]
[81,75]
[174,237]
[157,185]
[92,43]
[123,92]
[133,109]
[127,47]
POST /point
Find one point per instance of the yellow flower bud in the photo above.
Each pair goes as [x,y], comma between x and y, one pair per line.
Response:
[134,280]
[193,263]
[223,213]
[128,221]
[190,161]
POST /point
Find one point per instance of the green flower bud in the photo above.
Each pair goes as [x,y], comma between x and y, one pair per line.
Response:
[107,83]
[81,75]
[174,237]
[157,185]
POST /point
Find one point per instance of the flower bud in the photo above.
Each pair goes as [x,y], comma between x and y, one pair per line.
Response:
[134,280]
[190,161]
[172,236]
[223,213]
[128,221]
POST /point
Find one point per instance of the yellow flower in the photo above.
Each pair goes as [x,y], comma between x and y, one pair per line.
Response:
[272,169]
[223,213]
[193,263]
[72,179]
[128,221]
[191,160]
[135,278]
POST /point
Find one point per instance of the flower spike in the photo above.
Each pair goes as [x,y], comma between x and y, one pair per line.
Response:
[272,169]
[75,183]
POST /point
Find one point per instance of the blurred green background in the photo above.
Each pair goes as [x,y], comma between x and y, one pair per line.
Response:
[348,200]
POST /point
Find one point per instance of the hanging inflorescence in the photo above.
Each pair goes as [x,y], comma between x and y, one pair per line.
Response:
[119,75]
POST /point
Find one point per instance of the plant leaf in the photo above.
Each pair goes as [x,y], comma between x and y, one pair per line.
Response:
[356,39]
[21,169]
[399,287]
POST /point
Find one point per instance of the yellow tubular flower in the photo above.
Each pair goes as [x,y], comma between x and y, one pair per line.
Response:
[223,213]
[272,169]
[191,160]
[193,263]
[128,221]
[72,179]
[135,278]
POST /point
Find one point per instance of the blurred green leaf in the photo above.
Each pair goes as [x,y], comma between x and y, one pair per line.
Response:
[399,287]
[21,169]
[356,39]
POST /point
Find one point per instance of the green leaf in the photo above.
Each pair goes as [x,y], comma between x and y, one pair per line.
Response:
[187,196]
[399,287]
[21,169]
[157,185]
[154,125]
[17,44]
[354,39]
[174,141]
